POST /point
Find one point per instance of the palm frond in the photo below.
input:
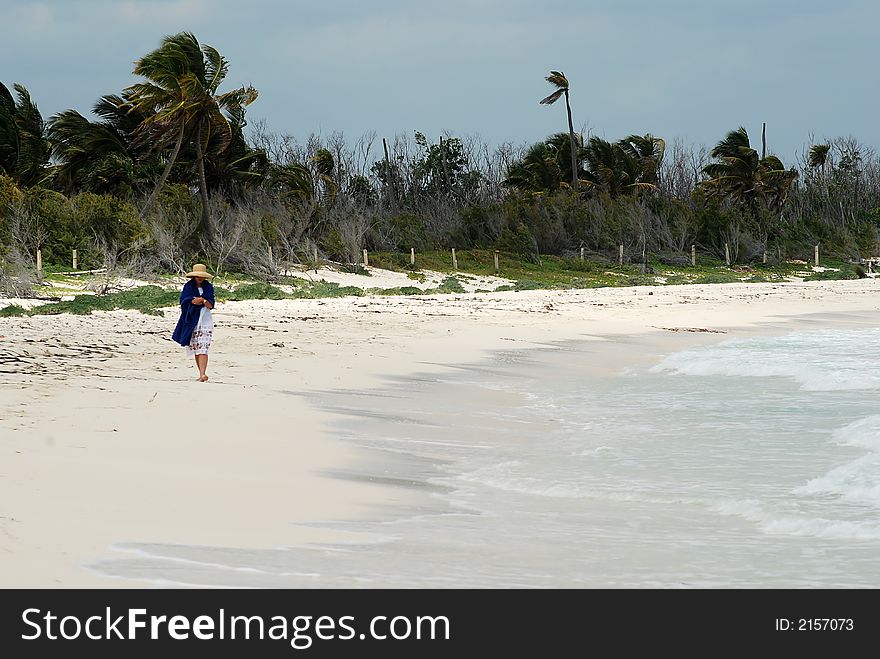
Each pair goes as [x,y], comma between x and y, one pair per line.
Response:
[240,97]
[558,79]
[293,181]
[646,187]
[819,155]
[216,68]
[9,142]
[552,98]
[733,142]
[33,147]
[324,162]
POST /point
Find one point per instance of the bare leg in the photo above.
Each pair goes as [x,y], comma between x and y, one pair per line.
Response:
[202,363]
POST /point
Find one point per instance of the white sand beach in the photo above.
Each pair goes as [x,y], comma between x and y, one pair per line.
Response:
[107,439]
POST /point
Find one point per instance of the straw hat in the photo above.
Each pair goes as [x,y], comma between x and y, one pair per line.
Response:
[200,270]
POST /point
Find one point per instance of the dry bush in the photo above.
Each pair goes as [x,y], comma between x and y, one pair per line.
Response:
[169,231]
[17,278]
[29,233]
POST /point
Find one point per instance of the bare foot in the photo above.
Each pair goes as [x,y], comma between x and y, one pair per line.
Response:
[203,378]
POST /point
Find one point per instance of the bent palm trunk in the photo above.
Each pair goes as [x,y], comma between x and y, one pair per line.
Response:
[574,172]
[203,183]
[155,193]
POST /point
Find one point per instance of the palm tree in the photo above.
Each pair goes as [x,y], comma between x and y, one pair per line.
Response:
[558,79]
[100,156]
[24,149]
[740,174]
[544,167]
[538,171]
[238,165]
[181,99]
[623,167]
[325,165]
[736,173]
[819,154]
[9,144]
[649,152]
[818,182]
[292,181]
[87,153]
[762,184]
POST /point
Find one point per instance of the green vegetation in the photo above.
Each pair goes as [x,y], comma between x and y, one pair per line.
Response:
[845,271]
[12,310]
[400,290]
[166,176]
[567,272]
[256,291]
[450,285]
[146,299]
[355,269]
[551,273]
[301,289]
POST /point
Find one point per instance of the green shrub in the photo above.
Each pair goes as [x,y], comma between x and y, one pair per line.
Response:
[333,246]
[355,269]
[12,310]
[519,240]
[450,285]
[408,231]
[146,299]
[257,291]
[845,272]
[400,290]
[478,226]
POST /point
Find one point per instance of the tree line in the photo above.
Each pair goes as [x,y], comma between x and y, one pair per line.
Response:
[166,172]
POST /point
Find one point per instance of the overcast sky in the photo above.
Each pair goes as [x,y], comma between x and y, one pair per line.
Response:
[686,69]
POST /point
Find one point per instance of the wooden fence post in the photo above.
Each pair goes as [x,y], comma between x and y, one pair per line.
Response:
[620,255]
[74,259]
[496,261]
[454,260]
[817,255]
[726,253]
[39,261]
[693,255]
[582,253]
[412,255]
[366,259]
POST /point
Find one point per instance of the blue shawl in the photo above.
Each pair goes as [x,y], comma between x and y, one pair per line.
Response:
[189,312]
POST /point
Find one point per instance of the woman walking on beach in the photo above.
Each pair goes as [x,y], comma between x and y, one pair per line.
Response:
[195,327]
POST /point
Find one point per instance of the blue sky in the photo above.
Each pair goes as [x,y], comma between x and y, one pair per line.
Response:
[680,69]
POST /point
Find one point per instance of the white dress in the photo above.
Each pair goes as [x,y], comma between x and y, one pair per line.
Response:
[203,333]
